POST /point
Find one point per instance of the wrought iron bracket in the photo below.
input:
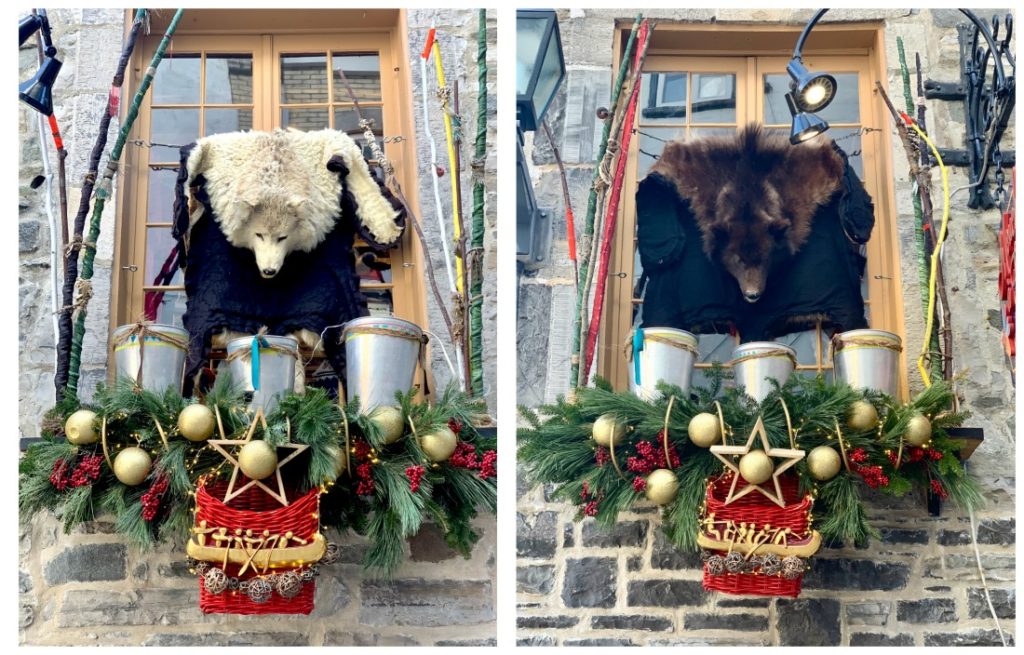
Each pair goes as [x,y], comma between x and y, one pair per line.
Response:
[960,157]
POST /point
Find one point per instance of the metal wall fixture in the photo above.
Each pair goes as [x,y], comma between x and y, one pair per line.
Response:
[987,87]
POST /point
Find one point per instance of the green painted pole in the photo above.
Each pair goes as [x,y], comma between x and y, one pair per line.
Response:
[476,367]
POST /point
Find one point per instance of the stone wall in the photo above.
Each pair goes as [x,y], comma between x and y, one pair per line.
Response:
[919,584]
[88,587]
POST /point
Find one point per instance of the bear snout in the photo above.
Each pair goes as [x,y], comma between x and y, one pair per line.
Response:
[268,273]
[751,296]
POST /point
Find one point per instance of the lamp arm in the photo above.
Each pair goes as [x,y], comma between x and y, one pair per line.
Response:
[992,46]
[807,31]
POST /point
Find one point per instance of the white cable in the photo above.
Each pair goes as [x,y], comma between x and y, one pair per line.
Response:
[445,352]
[54,234]
[981,572]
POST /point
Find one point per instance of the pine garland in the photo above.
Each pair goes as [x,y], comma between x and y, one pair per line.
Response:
[384,504]
[556,448]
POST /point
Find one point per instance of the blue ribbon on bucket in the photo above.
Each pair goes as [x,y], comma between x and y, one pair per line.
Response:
[257,341]
[638,345]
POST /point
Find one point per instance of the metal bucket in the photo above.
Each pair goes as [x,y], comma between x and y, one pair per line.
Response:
[868,359]
[381,353]
[159,360]
[276,369]
[757,362]
[660,354]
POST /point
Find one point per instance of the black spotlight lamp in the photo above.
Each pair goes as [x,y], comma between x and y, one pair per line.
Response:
[540,65]
[808,91]
[806,125]
[37,91]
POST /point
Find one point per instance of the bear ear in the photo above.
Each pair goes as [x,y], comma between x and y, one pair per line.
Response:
[248,200]
[294,202]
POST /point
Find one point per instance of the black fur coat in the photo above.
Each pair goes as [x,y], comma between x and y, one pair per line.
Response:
[826,214]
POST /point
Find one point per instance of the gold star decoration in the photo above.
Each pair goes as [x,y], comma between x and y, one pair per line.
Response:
[726,454]
[221,445]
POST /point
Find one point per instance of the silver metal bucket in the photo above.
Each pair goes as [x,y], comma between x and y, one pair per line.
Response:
[757,362]
[666,355]
[381,353]
[276,371]
[868,359]
[160,361]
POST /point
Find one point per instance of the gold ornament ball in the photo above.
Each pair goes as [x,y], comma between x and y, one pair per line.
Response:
[80,428]
[608,430]
[862,416]
[823,463]
[919,431]
[439,444]
[704,430]
[390,422]
[340,463]
[662,485]
[258,460]
[131,466]
[756,467]
[196,422]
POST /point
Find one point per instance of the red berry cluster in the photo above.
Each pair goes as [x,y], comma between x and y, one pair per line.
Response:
[415,474]
[938,490]
[466,457]
[602,456]
[60,476]
[489,465]
[650,457]
[639,484]
[873,475]
[915,454]
[87,471]
[455,425]
[151,499]
[590,508]
[364,471]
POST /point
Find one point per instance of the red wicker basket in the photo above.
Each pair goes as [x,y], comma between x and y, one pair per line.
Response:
[755,509]
[255,510]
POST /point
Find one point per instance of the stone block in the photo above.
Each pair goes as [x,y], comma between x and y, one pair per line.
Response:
[665,555]
[536,535]
[903,536]
[536,640]
[87,563]
[868,613]
[535,579]
[546,622]
[632,622]
[808,622]
[428,545]
[976,637]
[624,534]
[426,602]
[482,643]
[954,538]
[218,638]
[729,601]
[599,641]
[928,610]
[862,575]
[665,593]
[94,607]
[719,621]
[1004,602]
[568,535]
[28,236]
[589,582]
[1001,532]
[24,582]
[875,639]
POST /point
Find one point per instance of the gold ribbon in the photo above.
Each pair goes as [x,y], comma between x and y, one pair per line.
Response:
[721,422]
[664,433]
[141,330]
[764,355]
[789,424]
[103,442]
[627,348]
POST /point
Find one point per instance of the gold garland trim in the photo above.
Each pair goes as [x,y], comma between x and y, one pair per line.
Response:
[721,422]
[103,442]
[664,433]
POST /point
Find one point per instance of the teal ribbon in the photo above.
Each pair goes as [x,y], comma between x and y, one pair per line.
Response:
[255,362]
[638,345]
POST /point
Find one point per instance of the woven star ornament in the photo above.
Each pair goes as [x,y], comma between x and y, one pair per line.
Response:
[729,455]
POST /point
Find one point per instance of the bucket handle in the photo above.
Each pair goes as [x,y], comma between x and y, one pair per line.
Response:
[638,345]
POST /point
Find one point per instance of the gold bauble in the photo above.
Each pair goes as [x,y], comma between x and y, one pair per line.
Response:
[919,431]
[662,485]
[80,428]
[823,462]
[756,467]
[608,430]
[862,416]
[704,430]
[131,466]
[439,444]
[340,463]
[390,422]
[258,460]
[196,422]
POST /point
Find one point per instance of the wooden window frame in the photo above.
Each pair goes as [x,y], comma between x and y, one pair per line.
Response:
[223,31]
[766,48]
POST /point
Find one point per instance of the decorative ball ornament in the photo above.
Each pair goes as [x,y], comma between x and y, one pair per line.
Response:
[258,460]
[390,422]
[331,554]
[756,467]
[80,428]
[662,485]
[215,581]
[132,465]
[771,564]
[704,430]
[196,422]
[439,444]
[862,416]
[734,562]
[608,430]
[823,462]
[260,590]
[288,584]
[792,567]
[919,431]
[716,565]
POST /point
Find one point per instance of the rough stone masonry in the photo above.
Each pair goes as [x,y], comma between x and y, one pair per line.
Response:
[89,588]
[917,585]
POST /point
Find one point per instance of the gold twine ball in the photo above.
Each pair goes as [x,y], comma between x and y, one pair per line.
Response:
[608,430]
[131,466]
[704,430]
[390,422]
[196,422]
[823,462]
[662,485]
[919,431]
[439,444]
[80,428]
[258,460]
[862,416]
[756,467]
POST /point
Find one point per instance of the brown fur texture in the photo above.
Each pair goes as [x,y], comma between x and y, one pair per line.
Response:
[754,196]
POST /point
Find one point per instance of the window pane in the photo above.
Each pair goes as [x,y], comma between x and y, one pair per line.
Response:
[161,195]
[844,108]
[304,119]
[848,138]
[177,80]
[363,74]
[303,78]
[379,302]
[663,98]
[165,307]
[346,120]
[174,127]
[714,98]
[228,79]
[804,343]
[651,142]
[219,121]
[161,267]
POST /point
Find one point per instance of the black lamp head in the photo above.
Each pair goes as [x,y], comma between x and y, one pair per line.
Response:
[806,125]
[812,91]
[37,92]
